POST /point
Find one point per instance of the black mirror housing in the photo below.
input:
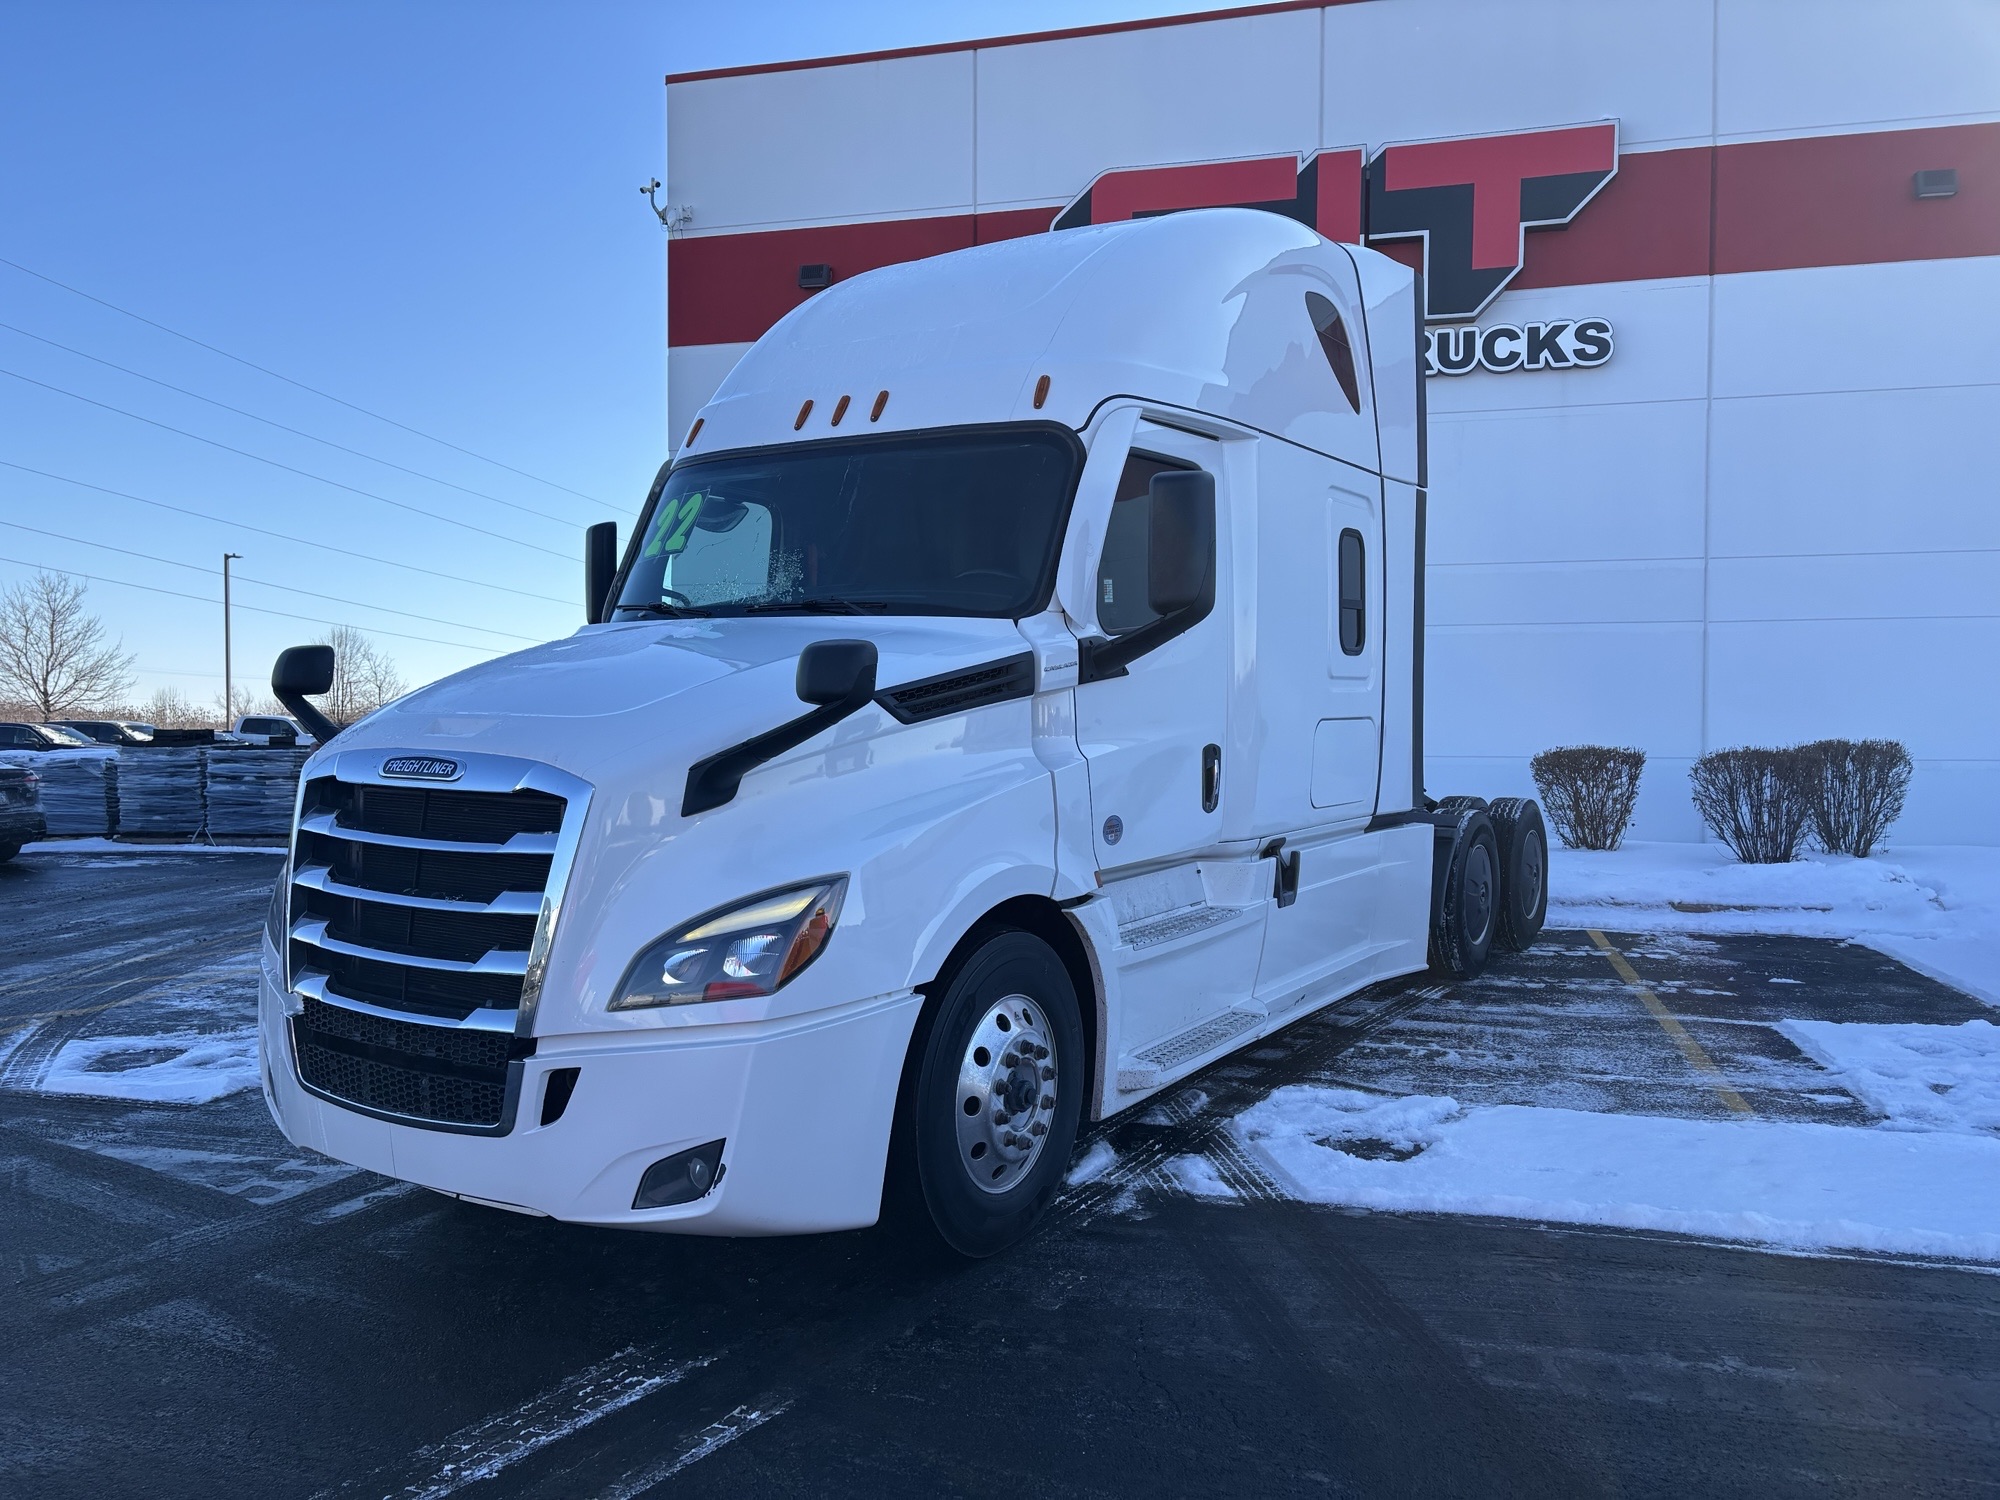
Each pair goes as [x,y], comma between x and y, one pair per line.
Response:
[600,567]
[303,669]
[1181,542]
[833,672]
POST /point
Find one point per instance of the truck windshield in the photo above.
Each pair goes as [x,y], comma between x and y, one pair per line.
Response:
[958,524]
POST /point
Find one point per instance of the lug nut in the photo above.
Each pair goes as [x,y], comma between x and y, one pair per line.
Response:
[1041,1052]
[1048,1074]
[1038,1128]
[1048,1101]
[1001,1117]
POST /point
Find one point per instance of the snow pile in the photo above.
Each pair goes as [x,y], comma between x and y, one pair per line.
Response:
[1921,1077]
[112,846]
[1093,1164]
[177,1068]
[1787,1184]
[1936,909]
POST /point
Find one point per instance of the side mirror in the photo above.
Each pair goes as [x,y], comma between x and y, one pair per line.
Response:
[303,670]
[600,566]
[1181,544]
[833,672]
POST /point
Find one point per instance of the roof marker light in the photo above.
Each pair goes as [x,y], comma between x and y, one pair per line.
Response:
[694,432]
[881,400]
[839,410]
[1041,392]
[804,412]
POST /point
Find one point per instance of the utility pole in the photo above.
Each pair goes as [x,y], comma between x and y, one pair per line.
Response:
[228,686]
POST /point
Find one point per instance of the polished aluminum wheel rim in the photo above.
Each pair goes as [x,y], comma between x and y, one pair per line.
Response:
[1006,1102]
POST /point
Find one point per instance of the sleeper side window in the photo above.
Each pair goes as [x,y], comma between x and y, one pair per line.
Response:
[1335,345]
[1353,593]
[1123,571]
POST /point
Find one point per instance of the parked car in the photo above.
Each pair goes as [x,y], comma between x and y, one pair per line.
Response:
[111,731]
[269,729]
[42,737]
[21,819]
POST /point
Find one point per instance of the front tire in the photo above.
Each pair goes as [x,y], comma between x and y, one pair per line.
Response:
[1006,1040]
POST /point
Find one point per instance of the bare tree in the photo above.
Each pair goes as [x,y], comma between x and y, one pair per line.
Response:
[53,652]
[364,677]
[169,709]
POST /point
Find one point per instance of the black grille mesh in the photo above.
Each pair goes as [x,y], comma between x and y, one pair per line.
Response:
[431,813]
[431,1073]
[437,873]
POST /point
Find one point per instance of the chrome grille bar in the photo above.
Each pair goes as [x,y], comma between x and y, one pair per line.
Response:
[495,961]
[329,826]
[506,904]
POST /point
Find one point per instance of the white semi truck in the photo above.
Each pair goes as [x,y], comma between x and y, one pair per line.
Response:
[1009,703]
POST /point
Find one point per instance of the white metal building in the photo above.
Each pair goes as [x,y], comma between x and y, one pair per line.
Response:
[1722,278]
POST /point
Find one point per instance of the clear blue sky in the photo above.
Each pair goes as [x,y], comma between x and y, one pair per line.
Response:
[429,210]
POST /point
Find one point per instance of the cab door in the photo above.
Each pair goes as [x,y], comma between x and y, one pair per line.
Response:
[1153,736]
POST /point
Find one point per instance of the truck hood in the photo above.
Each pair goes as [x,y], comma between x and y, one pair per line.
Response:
[660,693]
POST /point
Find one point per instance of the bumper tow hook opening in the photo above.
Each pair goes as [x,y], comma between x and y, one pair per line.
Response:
[680,1178]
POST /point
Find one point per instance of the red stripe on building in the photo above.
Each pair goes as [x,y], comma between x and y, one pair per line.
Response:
[1844,200]
[1018,39]
[1830,200]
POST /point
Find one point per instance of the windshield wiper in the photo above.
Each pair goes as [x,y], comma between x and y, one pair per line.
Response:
[816,607]
[666,611]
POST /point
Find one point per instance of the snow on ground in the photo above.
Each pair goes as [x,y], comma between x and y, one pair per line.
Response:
[183,1068]
[114,846]
[1935,908]
[1920,1077]
[1787,1184]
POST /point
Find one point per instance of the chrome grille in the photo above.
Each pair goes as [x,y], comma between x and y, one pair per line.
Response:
[419,921]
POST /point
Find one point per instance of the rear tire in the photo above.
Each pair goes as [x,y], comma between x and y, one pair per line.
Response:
[1005,1036]
[8,851]
[1469,900]
[1524,872]
[1458,804]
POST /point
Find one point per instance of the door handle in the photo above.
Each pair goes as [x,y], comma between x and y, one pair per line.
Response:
[1211,777]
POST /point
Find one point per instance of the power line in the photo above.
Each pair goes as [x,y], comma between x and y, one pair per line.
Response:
[152,588]
[294,431]
[283,536]
[289,469]
[266,583]
[314,390]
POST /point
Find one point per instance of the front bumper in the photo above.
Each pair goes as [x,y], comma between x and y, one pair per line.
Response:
[22,825]
[805,1107]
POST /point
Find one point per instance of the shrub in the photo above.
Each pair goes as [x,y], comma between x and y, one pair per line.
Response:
[1756,801]
[1588,792]
[1854,791]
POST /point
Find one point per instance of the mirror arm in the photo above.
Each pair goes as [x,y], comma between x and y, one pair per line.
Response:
[712,783]
[1099,657]
[317,724]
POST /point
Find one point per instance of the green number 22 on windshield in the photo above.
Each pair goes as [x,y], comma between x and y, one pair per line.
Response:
[673,526]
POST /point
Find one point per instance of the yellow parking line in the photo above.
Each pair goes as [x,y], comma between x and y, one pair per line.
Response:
[1699,1060]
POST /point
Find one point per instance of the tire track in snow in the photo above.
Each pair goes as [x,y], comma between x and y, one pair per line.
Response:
[718,1434]
[486,1448]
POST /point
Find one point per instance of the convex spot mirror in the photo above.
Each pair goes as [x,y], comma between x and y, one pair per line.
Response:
[1180,562]
[833,672]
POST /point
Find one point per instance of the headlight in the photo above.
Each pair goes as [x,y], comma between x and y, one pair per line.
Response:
[274,916]
[750,949]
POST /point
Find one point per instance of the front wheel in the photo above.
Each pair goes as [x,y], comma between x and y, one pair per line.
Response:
[991,1116]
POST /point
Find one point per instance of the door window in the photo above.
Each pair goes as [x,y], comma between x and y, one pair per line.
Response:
[1353,602]
[1123,571]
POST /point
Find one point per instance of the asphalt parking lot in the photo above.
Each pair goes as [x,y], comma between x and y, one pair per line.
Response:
[194,1308]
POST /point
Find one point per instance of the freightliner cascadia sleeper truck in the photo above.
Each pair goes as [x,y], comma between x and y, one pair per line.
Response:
[1009,703]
